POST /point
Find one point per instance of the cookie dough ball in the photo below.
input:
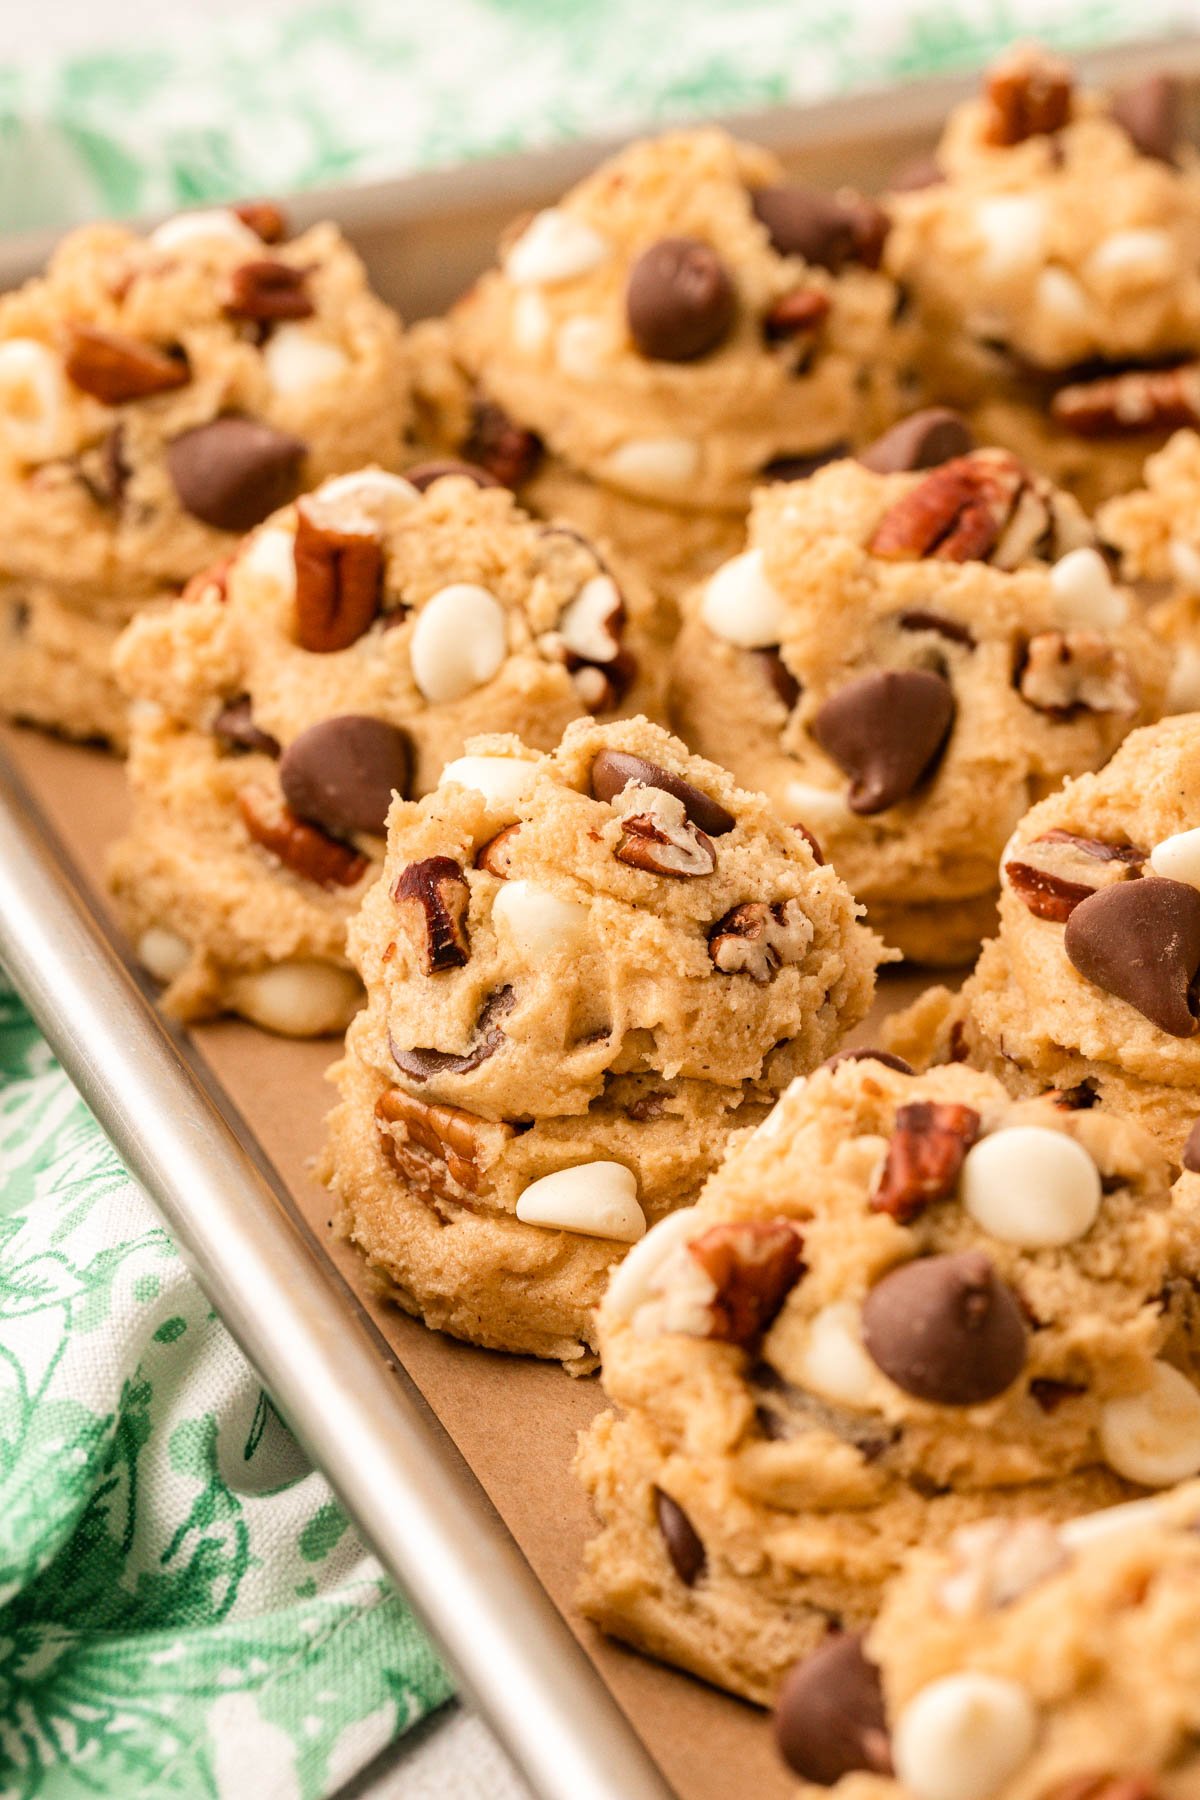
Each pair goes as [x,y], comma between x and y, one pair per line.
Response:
[679,326]
[902,662]
[1023,1660]
[160,396]
[1061,235]
[583,971]
[348,649]
[1156,533]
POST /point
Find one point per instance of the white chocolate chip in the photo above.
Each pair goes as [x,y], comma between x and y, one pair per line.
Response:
[368,500]
[1134,1515]
[1185,564]
[598,1199]
[636,1280]
[833,1362]
[538,923]
[1178,857]
[587,622]
[32,400]
[269,554]
[819,808]
[1145,255]
[215,224]
[995,1562]
[1031,1186]
[298,998]
[1085,591]
[163,953]
[1011,227]
[1153,1437]
[530,322]
[963,1737]
[503,781]
[555,246]
[1059,293]
[1183,687]
[583,347]
[295,360]
[741,605]
[658,465]
[458,642]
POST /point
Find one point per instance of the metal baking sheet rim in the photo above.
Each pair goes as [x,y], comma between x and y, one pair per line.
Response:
[358,1414]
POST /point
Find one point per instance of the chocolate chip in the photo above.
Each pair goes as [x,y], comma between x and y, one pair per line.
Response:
[500,447]
[922,441]
[235,729]
[1150,113]
[887,731]
[233,471]
[826,231]
[1140,940]
[613,770]
[684,1546]
[341,772]
[829,1718]
[867,1055]
[919,172]
[946,1329]
[799,468]
[421,1064]
[777,673]
[1191,1150]
[425,474]
[919,620]
[679,300]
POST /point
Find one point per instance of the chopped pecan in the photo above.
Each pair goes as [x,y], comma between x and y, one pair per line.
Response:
[1067,671]
[267,289]
[113,368]
[495,857]
[803,309]
[264,218]
[339,581]
[1028,94]
[423,1064]
[1131,401]
[442,1150]
[1101,1785]
[614,770]
[758,936]
[211,583]
[303,848]
[440,890]
[500,447]
[1054,872]
[753,1265]
[957,513]
[659,837]
[924,1157]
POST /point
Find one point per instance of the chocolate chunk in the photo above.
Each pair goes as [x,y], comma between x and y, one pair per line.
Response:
[867,1055]
[829,1718]
[613,770]
[826,231]
[341,772]
[425,474]
[799,468]
[235,729]
[421,1064]
[679,300]
[1191,1150]
[1140,940]
[946,1329]
[1150,113]
[233,471]
[887,731]
[922,441]
[684,1547]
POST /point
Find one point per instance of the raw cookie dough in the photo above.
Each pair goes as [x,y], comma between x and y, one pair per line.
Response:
[903,662]
[1023,1660]
[350,647]
[1089,984]
[583,971]
[678,327]
[158,397]
[902,1302]
[1156,533]
[1054,270]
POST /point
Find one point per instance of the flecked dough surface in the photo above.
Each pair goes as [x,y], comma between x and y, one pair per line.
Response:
[1155,530]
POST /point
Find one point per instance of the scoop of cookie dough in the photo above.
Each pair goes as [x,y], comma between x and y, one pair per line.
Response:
[1022,1660]
[1054,269]
[583,971]
[159,396]
[904,661]
[681,324]
[1156,533]
[348,649]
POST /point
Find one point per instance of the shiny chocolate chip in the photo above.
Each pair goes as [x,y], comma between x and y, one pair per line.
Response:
[946,1329]
[341,772]
[868,1055]
[800,467]
[421,1064]
[680,300]
[887,731]
[423,475]
[829,1718]
[234,729]
[613,770]
[826,230]
[922,441]
[683,1542]
[234,471]
[776,672]
[1140,941]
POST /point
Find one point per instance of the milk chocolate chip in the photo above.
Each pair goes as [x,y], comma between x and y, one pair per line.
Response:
[887,731]
[829,1718]
[825,230]
[1150,113]
[234,728]
[680,300]
[613,770]
[1140,940]
[922,441]
[340,773]
[233,471]
[683,1543]
[946,1329]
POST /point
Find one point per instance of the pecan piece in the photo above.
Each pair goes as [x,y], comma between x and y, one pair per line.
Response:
[303,848]
[339,581]
[439,888]
[756,937]
[443,1150]
[1028,94]
[267,289]
[924,1157]
[264,218]
[753,1265]
[495,857]
[1064,672]
[500,447]
[614,770]
[424,1064]
[803,309]
[957,513]
[211,583]
[1134,400]
[659,837]
[113,368]
[1056,871]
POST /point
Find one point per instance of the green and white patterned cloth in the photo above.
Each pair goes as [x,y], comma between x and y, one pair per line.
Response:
[183,1608]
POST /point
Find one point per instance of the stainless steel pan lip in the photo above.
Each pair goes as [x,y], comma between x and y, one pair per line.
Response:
[359,1416]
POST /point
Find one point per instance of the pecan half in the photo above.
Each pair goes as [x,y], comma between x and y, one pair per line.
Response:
[1134,400]
[266,289]
[957,513]
[753,1265]
[924,1157]
[264,218]
[495,857]
[502,448]
[113,368]
[1056,871]
[303,848]
[804,309]
[423,1064]
[339,582]
[758,936]
[443,1150]
[1064,672]
[1027,94]
[659,837]
[440,890]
